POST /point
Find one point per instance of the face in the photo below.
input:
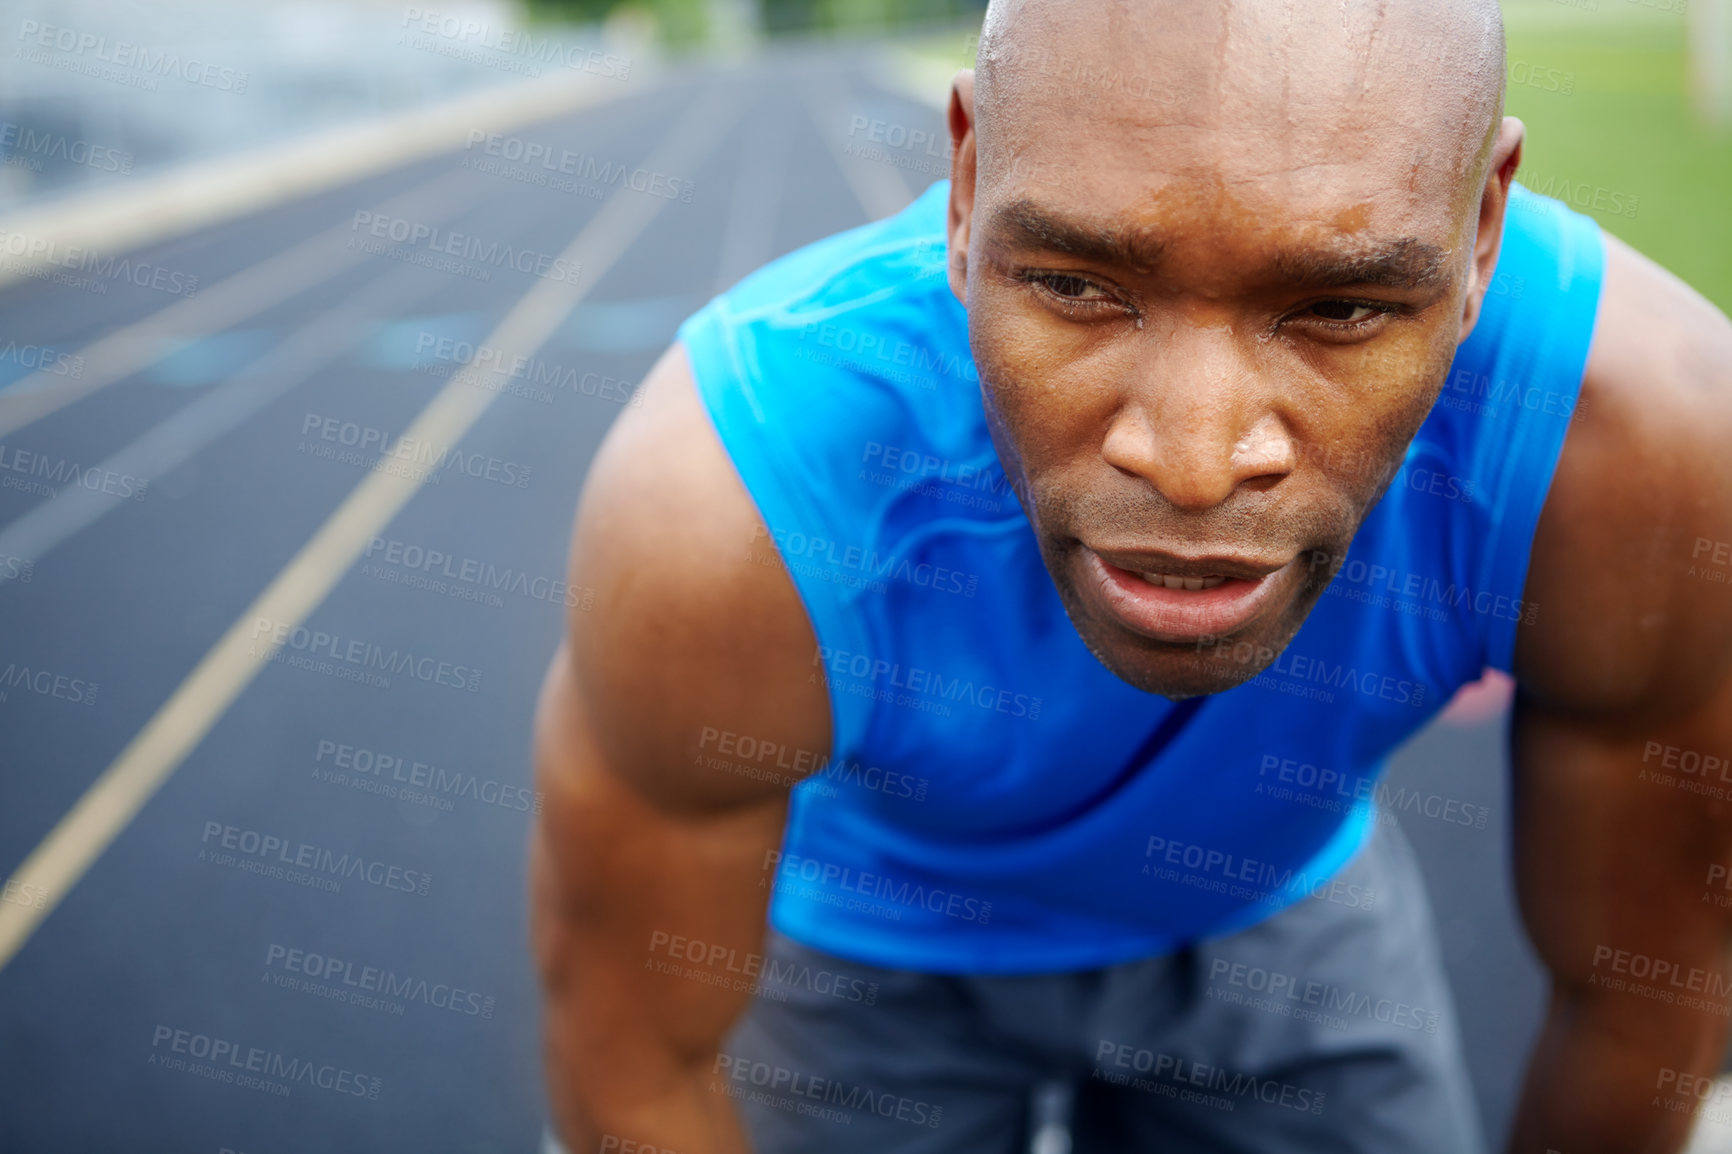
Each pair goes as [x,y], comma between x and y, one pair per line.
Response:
[1207,328]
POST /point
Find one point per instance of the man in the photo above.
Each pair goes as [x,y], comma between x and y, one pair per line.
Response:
[1086,578]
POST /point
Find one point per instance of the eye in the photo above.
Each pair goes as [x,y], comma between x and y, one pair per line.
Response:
[1074,295]
[1071,287]
[1349,312]
[1347,316]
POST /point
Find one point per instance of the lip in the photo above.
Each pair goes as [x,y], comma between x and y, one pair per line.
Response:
[1183,615]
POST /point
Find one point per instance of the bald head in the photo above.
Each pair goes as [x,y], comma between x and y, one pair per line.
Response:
[1311,82]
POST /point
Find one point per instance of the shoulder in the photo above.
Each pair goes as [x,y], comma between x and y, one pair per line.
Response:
[695,637]
[1633,615]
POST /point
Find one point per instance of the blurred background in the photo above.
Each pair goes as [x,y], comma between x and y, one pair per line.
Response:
[311,316]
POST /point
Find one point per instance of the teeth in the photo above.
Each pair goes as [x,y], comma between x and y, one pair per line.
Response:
[1193,584]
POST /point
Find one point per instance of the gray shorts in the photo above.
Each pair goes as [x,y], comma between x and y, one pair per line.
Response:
[1328,1027]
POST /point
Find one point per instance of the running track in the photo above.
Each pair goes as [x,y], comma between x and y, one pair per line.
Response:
[223,449]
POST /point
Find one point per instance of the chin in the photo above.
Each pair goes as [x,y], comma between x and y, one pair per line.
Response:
[1192,669]
[1176,672]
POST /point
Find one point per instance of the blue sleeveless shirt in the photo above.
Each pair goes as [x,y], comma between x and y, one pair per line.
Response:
[997,801]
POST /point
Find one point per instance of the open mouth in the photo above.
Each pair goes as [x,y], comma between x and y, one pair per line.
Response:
[1193,584]
[1186,607]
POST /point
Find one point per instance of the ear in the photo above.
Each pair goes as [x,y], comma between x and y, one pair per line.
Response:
[1506,156]
[961,179]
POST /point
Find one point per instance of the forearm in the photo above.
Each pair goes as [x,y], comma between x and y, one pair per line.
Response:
[1606,1078]
[626,1089]
[616,881]
[665,1103]
[629,1047]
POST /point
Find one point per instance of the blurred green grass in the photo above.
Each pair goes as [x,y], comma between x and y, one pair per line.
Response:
[1622,144]
[1625,129]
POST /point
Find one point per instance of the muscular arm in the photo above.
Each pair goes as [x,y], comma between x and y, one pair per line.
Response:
[643,841]
[1623,823]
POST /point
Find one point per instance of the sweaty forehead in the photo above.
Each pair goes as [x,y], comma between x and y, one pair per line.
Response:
[1335,110]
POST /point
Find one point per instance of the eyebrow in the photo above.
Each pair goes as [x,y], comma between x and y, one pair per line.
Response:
[1032,226]
[1404,262]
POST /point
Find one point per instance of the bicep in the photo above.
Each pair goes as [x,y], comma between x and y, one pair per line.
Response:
[1626,670]
[694,656]
[688,656]
[1623,802]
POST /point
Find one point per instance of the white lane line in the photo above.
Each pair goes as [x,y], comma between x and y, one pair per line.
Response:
[190,428]
[750,234]
[879,188]
[212,309]
[122,217]
[73,846]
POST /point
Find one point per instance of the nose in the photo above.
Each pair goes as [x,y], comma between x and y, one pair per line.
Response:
[1196,424]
